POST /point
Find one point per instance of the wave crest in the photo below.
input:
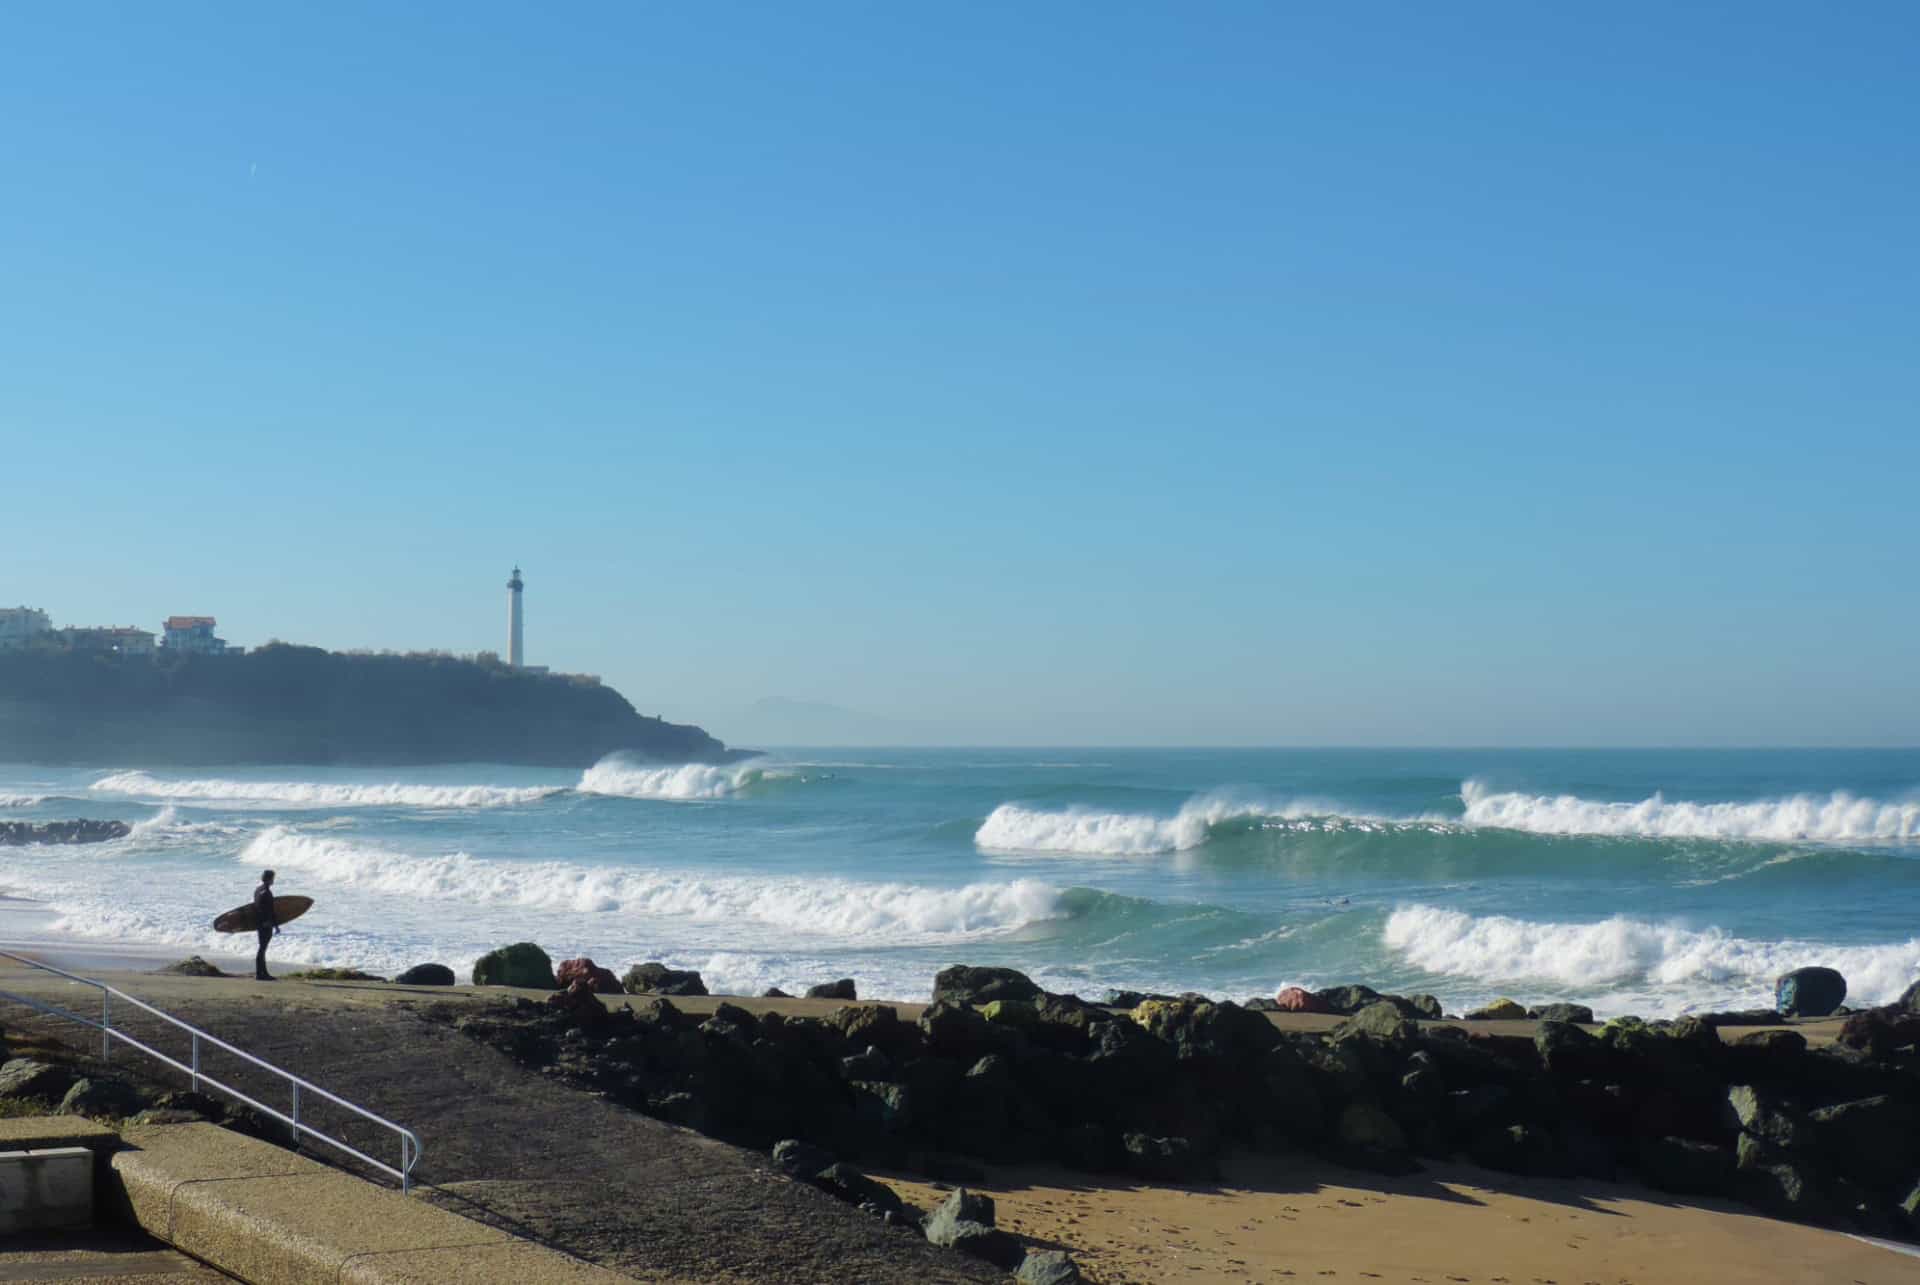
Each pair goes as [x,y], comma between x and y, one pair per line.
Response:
[623,778]
[1623,951]
[893,912]
[1014,828]
[315,794]
[1837,817]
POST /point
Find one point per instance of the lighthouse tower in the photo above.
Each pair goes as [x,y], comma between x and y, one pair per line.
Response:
[516,656]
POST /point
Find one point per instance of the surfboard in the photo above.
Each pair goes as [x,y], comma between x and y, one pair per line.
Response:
[241,918]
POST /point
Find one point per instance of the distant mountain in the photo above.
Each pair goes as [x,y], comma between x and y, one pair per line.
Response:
[288,704]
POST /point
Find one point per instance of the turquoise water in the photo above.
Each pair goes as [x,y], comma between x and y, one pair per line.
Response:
[1647,881]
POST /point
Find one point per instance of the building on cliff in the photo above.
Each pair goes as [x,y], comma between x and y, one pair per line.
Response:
[108,640]
[192,635]
[22,627]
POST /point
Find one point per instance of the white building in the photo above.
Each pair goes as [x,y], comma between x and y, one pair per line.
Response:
[192,634]
[516,640]
[20,626]
[110,640]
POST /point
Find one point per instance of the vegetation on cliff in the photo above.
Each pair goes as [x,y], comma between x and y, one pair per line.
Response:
[289,704]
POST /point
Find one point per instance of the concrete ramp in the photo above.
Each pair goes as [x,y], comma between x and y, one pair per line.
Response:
[272,1217]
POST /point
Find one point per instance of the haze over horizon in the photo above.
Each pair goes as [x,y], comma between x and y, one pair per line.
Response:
[1085,375]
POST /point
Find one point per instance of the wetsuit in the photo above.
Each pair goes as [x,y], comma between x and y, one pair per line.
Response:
[264,923]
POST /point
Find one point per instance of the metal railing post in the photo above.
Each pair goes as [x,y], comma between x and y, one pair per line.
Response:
[106,1026]
[296,1115]
[196,1061]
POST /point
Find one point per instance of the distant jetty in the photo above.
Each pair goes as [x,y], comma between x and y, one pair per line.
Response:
[288,704]
[15,834]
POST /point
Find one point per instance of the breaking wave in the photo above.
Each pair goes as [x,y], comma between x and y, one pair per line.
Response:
[1014,828]
[1632,953]
[624,778]
[1836,817]
[892,912]
[313,794]
[23,800]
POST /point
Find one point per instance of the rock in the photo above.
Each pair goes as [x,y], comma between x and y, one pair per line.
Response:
[1569,1051]
[1501,1010]
[1809,992]
[426,975]
[1048,1267]
[1781,1190]
[774,992]
[1295,1000]
[799,1159]
[1779,1042]
[1686,1166]
[166,1115]
[1577,1013]
[25,1077]
[1199,1028]
[1909,999]
[1758,1114]
[847,1183]
[965,1222]
[964,984]
[1877,1032]
[332,975]
[869,1065]
[955,1031]
[655,978]
[1346,1000]
[1010,1012]
[1257,1004]
[1170,1159]
[1130,999]
[1367,1128]
[579,1002]
[599,980]
[842,989]
[1380,1020]
[521,964]
[1869,1139]
[1522,1149]
[1428,1006]
[200,1104]
[191,966]
[101,1097]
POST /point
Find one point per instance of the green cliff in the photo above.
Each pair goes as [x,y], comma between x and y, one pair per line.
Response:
[289,704]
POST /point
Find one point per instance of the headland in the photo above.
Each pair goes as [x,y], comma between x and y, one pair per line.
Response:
[283,703]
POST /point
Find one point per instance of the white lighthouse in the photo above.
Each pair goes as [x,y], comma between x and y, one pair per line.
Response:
[516,656]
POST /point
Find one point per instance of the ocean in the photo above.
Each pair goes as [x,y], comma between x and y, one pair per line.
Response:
[1652,882]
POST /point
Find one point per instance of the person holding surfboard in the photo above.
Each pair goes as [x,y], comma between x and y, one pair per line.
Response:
[264,922]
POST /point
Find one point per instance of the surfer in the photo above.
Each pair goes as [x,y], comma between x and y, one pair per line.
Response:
[264,923]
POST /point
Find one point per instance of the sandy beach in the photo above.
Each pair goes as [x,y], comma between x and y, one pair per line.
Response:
[1282,1218]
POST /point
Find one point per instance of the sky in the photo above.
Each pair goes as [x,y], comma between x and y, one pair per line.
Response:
[1079,373]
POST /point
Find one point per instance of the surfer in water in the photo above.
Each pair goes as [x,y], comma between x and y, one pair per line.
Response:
[264,923]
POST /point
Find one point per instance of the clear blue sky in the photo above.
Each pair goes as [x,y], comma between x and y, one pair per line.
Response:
[1212,373]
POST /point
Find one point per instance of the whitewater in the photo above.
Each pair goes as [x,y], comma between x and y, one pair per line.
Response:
[1636,881]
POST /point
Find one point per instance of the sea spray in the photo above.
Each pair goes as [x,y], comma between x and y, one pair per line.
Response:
[622,778]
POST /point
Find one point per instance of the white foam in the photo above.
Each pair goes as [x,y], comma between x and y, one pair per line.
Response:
[1013,828]
[892,912]
[316,794]
[624,778]
[1835,817]
[1669,962]
[22,800]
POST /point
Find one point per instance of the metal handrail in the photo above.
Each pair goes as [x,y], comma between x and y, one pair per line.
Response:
[410,1148]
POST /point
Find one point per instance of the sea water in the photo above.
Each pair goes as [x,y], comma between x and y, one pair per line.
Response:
[1634,881]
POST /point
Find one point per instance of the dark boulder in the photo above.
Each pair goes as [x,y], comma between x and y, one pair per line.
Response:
[1870,1140]
[1427,1006]
[842,989]
[1346,1000]
[1578,1013]
[1130,999]
[965,984]
[25,1077]
[1501,1010]
[844,1182]
[426,975]
[1048,1267]
[1909,999]
[655,978]
[1381,1020]
[870,1064]
[965,1222]
[1522,1149]
[600,980]
[956,1031]
[521,964]
[579,1003]
[1877,1032]
[1260,1004]
[101,1097]
[1760,1114]
[1170,1159]
[1569,1051]
[1686,1166]
[1809,992]
[191,966]
[774,992]
[798,1159]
